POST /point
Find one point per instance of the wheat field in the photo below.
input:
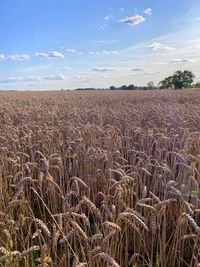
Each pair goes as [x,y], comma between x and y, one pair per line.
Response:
[100,179]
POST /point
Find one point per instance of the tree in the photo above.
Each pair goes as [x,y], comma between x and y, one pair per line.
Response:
[123,87]
[166,83]
[113,88]
[196,85]
[150,85]
[131,87]
[180,79]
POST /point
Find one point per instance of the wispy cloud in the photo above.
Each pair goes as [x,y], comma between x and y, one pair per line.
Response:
[159,63]
[148,11]
[106,41]
[183,60]
[67,68]
[104,52]
[21,57]
[82,78]
[19,79]
[158,46]
[137,69]
[52,54]
[196,19]
[137,19]
[107,17]
[146,73]
[104,69]
[107,53]
[2,57]
[71,50]
[30,79]
[56,77]
[102,27]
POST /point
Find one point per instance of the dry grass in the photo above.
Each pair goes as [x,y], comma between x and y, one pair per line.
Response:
[100,179]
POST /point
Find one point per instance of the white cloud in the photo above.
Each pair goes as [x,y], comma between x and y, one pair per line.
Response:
[146,73]
[57,77]
[151,73]
[158,46]
[41,54]
[107,17]
[196,19]
[133,20]
[22,57]
[33,79]
[106,41]
[52,54]
[159,63]
[2,57]
[104,52]
[114,52]
[71,50]
[102,27]
[19,79]
[83,78]
[137,69]
[148,11]
[183,60]
[55,54]
[67,68]
[105,69]
[107,53]
[9,80]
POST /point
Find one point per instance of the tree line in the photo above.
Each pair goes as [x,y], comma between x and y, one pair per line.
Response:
[179,80]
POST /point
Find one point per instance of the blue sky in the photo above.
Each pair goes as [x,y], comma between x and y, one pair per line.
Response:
[49,45]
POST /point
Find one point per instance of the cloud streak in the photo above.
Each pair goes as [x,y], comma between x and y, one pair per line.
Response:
[148,11]
[183,60]
[71,50]
[104,52]
[50,55]
[104,69]
[135,20]
[56,77]
[2,57]
[22,57]
[19,57]
[137,69]
[159,46]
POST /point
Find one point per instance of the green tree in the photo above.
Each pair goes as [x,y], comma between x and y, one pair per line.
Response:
[180,79]
[166,83]
[113,88]
[196,85]
[123,87]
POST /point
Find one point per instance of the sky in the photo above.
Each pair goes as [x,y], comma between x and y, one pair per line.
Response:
[68,44]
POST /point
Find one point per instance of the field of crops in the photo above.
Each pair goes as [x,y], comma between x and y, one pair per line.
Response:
[100,179]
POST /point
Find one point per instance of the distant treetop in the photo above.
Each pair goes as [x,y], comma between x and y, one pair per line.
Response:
[180,79]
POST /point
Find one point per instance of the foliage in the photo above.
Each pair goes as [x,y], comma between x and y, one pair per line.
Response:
[180,79]
[150,86]
[196,85]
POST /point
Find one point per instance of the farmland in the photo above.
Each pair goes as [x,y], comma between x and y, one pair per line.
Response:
[100,179]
